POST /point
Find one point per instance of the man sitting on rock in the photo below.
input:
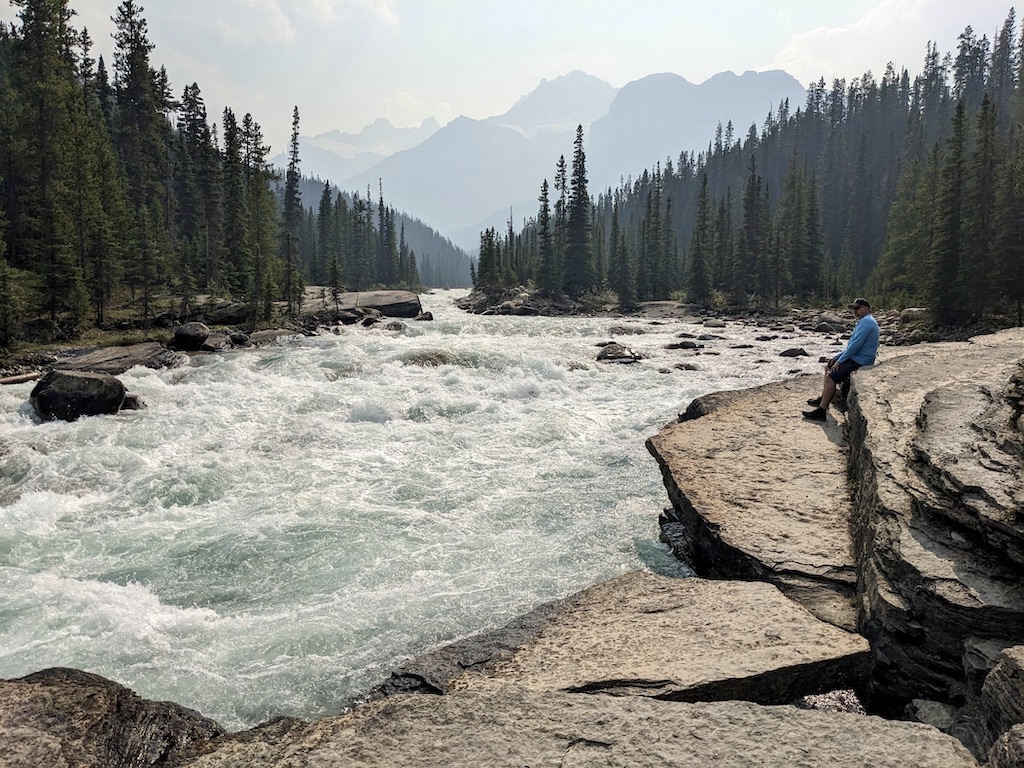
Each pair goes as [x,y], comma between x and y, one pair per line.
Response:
[860,350]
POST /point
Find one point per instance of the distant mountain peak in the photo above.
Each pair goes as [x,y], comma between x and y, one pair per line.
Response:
[559,105]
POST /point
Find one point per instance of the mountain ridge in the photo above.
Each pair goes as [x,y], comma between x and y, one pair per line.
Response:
[462,176]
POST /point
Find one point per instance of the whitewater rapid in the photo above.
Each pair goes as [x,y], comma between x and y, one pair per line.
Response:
[280,527]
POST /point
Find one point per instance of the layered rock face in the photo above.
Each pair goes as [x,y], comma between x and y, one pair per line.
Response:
[938,488]
[930,526]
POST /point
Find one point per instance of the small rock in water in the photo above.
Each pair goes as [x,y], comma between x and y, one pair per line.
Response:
[616,353]
[794,352]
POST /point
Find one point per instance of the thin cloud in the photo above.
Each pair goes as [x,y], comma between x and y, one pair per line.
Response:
[253,21]
[893,31]
[335,10]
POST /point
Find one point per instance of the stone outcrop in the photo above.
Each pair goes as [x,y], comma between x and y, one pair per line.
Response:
[69,395]
[758,494]
[938,528]
[67,718]
[645,635]
[514,727]
[117,360]
[930,525]
[388,303]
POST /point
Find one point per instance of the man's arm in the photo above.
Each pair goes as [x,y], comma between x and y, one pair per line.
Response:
[857,339]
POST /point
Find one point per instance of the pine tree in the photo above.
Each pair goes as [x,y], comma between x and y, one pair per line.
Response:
[140,130]
[561,217]
[621,275]
[700,249]
[238,253]
[1010,232]
[579,266]
[292,280]
[44,90]
[10,306]
[549,278]
[749,240]
[975,270]
[266,273]
[947,247]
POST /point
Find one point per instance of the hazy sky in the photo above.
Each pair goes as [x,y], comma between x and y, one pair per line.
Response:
[346,62]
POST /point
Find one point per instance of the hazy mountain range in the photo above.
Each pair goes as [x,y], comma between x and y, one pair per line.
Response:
[471,174]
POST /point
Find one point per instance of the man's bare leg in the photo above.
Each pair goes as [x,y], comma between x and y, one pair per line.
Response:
[828,391]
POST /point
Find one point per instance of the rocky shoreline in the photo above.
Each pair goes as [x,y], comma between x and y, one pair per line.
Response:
[880,553]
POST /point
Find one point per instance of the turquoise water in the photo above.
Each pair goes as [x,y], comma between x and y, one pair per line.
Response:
[282,526]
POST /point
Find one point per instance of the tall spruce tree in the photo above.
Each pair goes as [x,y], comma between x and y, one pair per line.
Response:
[700,249]
[944,292]
[549,278]
[292,280]
[976,267]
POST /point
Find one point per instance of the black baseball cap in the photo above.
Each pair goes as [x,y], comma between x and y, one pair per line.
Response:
[859,302]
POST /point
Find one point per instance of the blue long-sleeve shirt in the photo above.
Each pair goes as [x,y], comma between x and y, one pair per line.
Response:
[862,347]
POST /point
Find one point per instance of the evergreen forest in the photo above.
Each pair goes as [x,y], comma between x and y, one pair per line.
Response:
[908,190]
[120,200]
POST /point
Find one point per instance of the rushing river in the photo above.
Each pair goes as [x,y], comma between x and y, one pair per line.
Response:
[282,526]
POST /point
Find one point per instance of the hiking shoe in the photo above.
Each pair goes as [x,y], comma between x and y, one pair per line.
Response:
[815,401]
[818,414]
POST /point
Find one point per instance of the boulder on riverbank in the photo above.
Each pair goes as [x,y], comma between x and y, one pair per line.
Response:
[69,395]
[65,717]
[190,337]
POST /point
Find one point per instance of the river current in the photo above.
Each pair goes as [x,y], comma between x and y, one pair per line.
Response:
[280,527]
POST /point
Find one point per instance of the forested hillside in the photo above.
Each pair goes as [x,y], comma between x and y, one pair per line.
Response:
[120,199]
[909,190]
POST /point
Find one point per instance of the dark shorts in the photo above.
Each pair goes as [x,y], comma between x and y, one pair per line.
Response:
[841,372]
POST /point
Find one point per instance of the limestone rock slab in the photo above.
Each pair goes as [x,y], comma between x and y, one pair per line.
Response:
[117,360]
[512,727]
[646,635]
[388,303]
[760,493]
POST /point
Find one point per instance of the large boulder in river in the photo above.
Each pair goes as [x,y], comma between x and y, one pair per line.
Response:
[68,395]
[191,336]
[388,303]
[64,717]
